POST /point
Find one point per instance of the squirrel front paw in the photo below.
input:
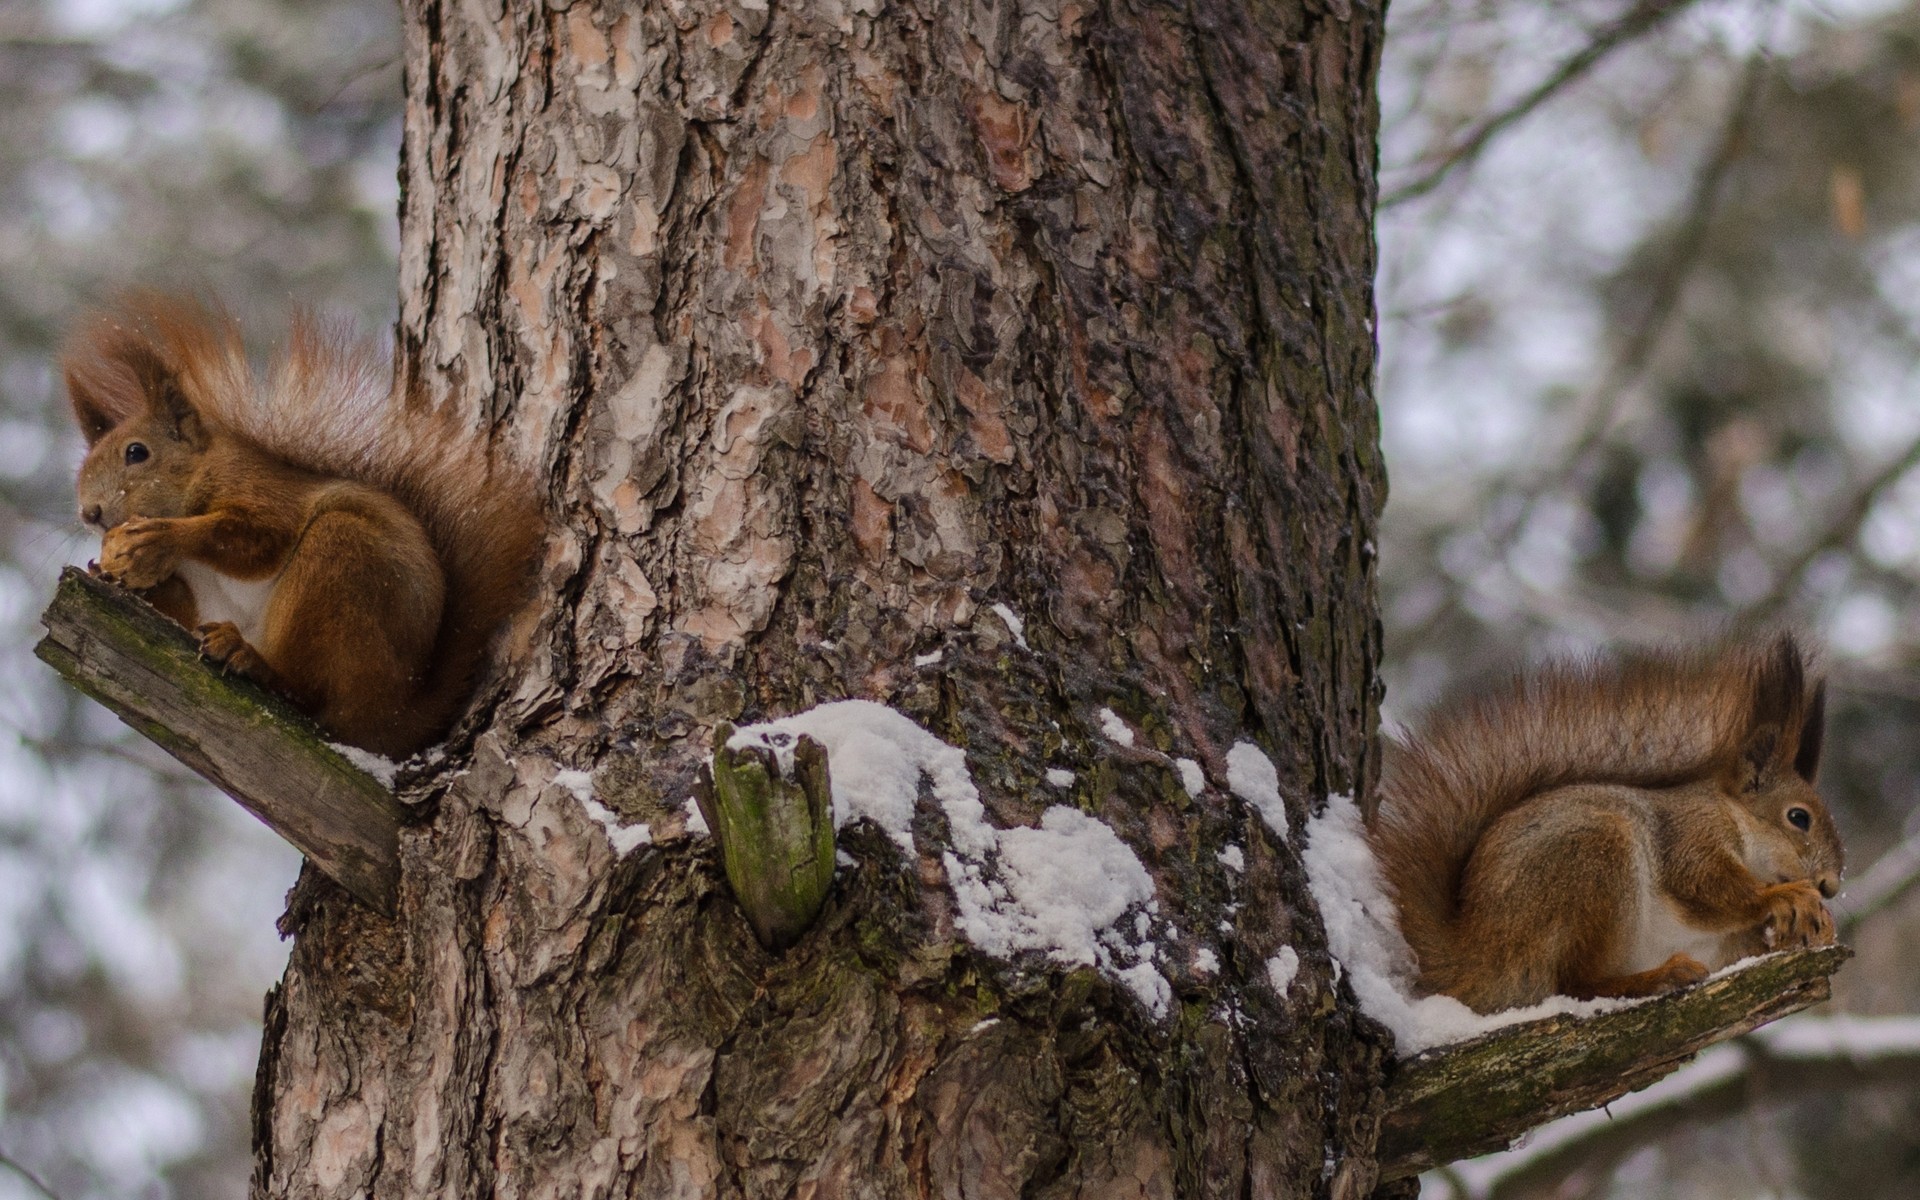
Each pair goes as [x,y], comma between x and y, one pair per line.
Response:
[222,642]
[139,553]
[1796,916]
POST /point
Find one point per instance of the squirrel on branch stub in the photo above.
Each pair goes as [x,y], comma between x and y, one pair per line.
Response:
[1612,827]
[325,532]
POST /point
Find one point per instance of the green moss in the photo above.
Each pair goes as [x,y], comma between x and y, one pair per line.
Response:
[775,834]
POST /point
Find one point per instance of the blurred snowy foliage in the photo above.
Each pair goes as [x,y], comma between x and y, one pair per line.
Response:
[248,148]
[1649,373]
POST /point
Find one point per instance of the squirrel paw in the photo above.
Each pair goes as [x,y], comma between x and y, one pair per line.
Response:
[138,553]
[221,642]
[1680,970]
[1796,916]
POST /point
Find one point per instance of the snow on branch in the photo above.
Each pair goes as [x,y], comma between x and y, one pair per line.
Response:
[244,740]
[1475,1097]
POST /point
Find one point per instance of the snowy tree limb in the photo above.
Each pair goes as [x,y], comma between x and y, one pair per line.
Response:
[1475,1097]
[1641,19]
[247,742]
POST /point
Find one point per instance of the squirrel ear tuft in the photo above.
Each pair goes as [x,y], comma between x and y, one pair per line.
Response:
[91,410]
[1779,708]
[1813,729]
[165,396]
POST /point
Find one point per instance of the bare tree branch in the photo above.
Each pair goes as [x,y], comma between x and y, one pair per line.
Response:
[1641,19]
[1842,531]
[13,1164]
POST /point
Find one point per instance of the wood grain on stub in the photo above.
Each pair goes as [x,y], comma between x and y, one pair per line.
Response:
[247,742]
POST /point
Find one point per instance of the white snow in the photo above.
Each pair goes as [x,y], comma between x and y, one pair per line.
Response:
[380,768]
[1192,777]
[1250,776]
[1063,890]
[624,838]
[1366,942]
[1060,888]
[1205,961]
[875,758]
[1014,625]
[1059,777]
[696,820]
[1234,858]
[1843,1038]
[1116,730]
[1282,967]
[928,659]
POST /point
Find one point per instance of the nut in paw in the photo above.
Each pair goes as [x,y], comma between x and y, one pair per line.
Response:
[138,553]
[1797,916]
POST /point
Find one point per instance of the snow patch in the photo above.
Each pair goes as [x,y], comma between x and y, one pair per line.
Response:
[1281,969]
[1365,940]
[1192,777]
[1205,961]
[1015,625]
[1843,1038]
[1117,731]
[624,838]
[1063,890]
[1250,776]
[928,659]
[1233,858]
[696,820]
[1060,777]
[383,769]
[875,758]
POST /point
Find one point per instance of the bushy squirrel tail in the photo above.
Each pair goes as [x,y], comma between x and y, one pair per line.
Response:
[330,404]
[1643,720]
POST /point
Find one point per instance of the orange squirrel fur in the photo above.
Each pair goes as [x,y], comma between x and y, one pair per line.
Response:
[1611,828]
[323,533]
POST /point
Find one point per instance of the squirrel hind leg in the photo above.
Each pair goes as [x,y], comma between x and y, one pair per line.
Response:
[1547,900]
[1680,970]
[351,627]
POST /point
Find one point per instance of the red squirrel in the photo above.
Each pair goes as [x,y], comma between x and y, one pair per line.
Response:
[322,533]
[1611,828]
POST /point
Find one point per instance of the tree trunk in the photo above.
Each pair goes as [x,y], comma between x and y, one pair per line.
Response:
[837,325]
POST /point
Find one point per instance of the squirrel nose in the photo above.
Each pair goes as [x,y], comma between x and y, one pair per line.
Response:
[91,514]
[1829,886]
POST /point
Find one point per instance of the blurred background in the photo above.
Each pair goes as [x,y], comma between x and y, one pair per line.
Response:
[250,147]
[1649,321]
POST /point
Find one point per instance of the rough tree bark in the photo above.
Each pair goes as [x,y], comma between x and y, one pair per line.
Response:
[835,324]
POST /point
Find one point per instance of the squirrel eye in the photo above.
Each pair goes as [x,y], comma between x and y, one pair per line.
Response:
[136,452]
[1800,818]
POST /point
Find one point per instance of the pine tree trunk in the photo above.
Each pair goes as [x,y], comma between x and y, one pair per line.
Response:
[835,325]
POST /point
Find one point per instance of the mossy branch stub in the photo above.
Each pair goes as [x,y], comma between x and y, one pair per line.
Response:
[775,833]
[247,742]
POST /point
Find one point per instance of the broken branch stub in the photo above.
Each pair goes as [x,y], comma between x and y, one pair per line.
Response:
[775,832]
[1475,1097]
[246,741]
